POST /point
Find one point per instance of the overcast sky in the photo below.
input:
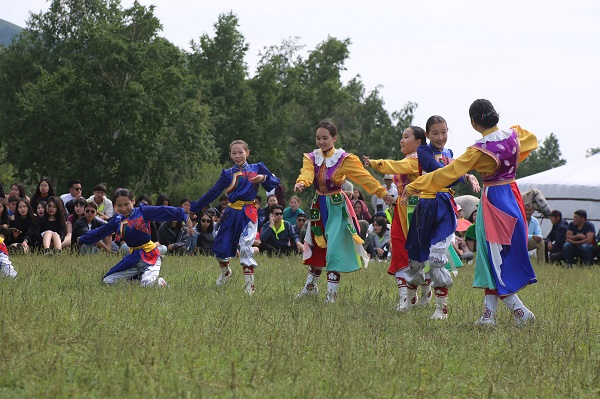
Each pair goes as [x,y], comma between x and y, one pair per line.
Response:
[537,61]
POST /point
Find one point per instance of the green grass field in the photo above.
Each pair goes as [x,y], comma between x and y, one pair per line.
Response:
[66,335]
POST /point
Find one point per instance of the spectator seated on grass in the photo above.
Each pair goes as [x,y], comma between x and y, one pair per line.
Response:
[378,246]
[105,206]
[460,244]
[581,240]
[23,228]
[290,213]
[173,238]
[300,226]
[556,238]
[206,238]
[278,237]
[88,222]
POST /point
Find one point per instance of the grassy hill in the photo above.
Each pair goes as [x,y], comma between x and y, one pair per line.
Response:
[7,31]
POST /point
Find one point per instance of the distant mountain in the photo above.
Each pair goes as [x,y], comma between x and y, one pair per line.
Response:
[7,31]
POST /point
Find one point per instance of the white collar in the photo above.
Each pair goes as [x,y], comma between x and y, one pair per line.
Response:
[329,162]
[497,135]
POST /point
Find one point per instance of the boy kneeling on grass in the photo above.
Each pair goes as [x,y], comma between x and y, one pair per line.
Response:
[6,267]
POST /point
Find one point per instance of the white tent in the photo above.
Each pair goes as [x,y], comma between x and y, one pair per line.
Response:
[568,188]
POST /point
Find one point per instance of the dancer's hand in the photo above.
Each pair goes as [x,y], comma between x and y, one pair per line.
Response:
[258,179]
[389,200]
[474,183]
[299,187]
[406,194]
[190,227]
[366,160]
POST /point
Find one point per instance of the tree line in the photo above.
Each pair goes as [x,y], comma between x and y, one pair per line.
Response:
[90,90]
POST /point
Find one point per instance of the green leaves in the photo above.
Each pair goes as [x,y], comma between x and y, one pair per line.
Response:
[98,96]
[546,156]
[91,91]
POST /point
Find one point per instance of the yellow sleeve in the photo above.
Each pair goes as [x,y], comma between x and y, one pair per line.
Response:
[307,173]
[355,171]
[527,142]
[1,240]
[402,167]
[472,159]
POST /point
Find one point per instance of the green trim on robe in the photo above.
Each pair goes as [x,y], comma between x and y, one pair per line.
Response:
[341,254]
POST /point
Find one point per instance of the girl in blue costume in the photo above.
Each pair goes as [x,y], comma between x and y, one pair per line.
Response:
[331,239]
[433,223]
[239,219]
[133,225]
[502,266]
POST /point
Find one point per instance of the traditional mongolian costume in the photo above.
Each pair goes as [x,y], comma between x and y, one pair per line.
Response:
[239,220]
[502,266]
[332,239]
[431,232]
[6,267]
[144,259]
[404,171]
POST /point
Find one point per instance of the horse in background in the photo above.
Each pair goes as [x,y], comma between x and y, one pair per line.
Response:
[538,201]
[534,197]
[468,203]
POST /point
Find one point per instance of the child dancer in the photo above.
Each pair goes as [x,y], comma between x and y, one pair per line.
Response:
[239,218]
[332,222]
[502,266]
[408,171]
[433,224]
[6,267]
[133,225]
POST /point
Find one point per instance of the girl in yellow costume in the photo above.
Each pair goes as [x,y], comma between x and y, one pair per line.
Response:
[331,240]
[408,171]
[502,265]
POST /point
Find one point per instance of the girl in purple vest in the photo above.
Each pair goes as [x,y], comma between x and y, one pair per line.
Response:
[332,239]
[502,266]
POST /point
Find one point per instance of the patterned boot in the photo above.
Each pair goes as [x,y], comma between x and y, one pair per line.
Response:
[521,314]
[425,294]
[411,299]
[310,287]
[490,301]
[402,291]
[225,274]
[249,280]
[333,279]
[441,301]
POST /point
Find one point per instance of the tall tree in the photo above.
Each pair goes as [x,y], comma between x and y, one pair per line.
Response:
[293,94]
[546,156]
[218,63]
[92,91]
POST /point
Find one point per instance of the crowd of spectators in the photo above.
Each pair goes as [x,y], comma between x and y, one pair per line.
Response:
[48,223]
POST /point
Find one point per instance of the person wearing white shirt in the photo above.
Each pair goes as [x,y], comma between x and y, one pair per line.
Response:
[535,240]
[378,204]
[75,191]
[105,206]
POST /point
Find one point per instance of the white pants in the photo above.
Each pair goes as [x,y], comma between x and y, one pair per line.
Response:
[6,267]
[246,240]
[149,273]
[440,277]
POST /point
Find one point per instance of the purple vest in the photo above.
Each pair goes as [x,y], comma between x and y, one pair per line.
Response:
[506,154]
[323,174]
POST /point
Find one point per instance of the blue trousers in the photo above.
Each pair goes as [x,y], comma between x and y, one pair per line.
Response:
[584,251]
